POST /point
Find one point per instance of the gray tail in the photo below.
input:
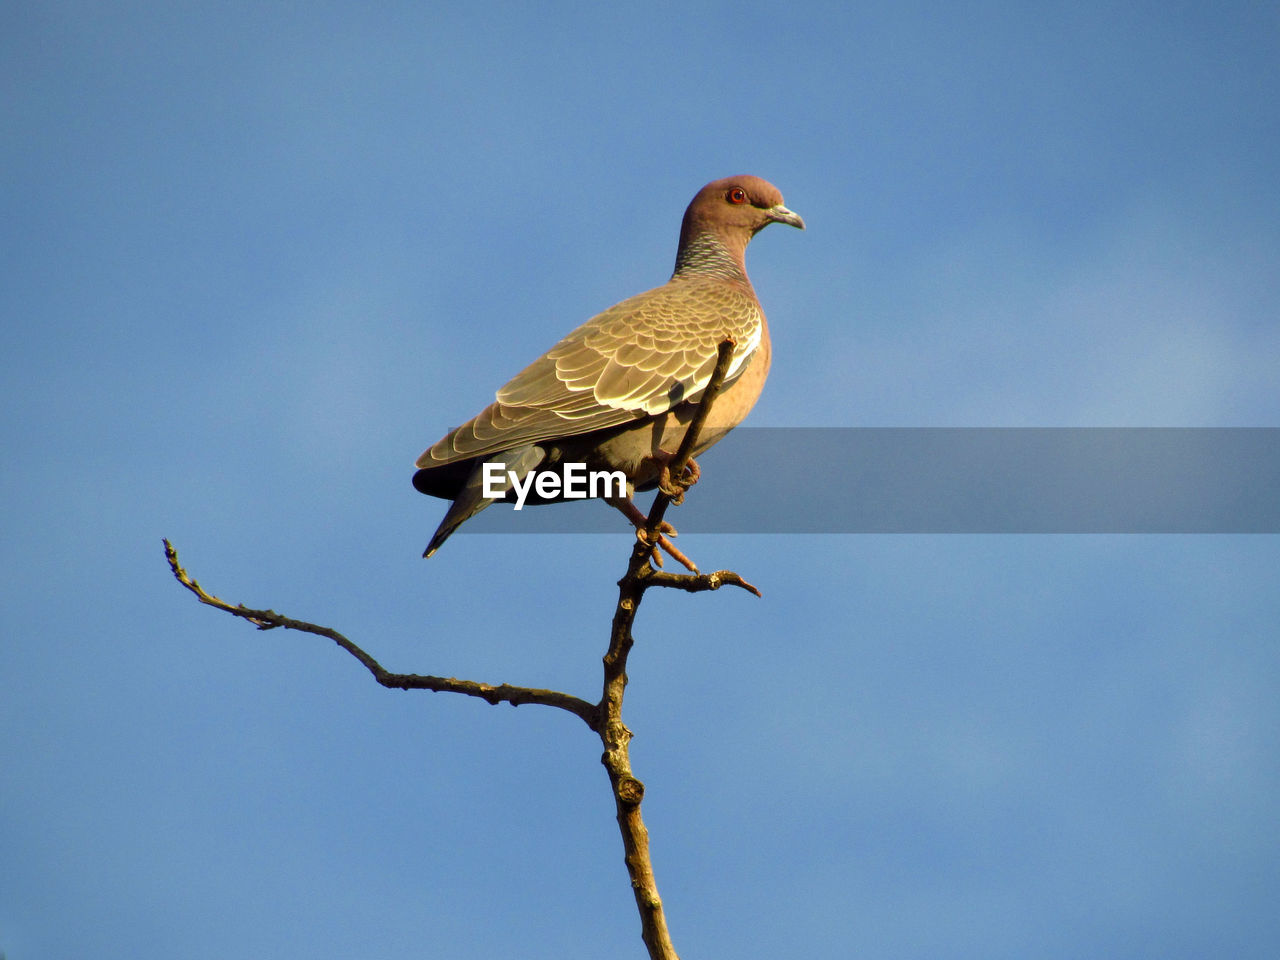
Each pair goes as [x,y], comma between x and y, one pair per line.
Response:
[471,499]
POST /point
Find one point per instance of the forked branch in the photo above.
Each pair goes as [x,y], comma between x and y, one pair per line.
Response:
[604,717]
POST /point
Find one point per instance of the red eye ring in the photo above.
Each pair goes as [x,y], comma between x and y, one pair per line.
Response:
[737,195]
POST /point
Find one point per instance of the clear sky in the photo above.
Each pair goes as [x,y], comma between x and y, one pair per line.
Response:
[258,256]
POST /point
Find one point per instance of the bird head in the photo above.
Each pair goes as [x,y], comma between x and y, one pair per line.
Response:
[724,216]
[747,204]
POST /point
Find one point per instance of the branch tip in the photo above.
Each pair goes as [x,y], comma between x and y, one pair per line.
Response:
[502,693]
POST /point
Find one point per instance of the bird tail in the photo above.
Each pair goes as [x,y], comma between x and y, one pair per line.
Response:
[471,499]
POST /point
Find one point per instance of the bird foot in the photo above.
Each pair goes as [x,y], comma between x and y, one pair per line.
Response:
[660,540]
[675,487]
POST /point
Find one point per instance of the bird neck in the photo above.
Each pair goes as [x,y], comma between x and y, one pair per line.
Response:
[703,253]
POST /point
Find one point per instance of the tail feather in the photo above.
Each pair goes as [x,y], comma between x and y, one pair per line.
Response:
[471,499]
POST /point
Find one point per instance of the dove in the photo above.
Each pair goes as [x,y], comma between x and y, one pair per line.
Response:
[618,392]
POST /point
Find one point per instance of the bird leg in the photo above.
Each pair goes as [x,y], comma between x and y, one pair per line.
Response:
[641,523]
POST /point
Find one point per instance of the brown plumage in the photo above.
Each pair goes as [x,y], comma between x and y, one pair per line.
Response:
[617,392]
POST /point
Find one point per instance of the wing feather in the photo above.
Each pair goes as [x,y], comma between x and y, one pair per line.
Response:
[637,358]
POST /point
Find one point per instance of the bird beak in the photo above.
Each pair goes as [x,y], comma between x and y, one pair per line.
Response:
[781,214]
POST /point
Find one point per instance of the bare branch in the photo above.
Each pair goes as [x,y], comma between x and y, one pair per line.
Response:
[494,694]
[640,575]
[697,583]
[605,718]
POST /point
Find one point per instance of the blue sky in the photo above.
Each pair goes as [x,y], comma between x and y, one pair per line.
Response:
[258,257]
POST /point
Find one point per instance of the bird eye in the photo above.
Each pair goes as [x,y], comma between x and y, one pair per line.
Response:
[737,195]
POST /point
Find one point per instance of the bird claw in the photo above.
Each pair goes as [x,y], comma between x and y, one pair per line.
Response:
[663,530]
[675,488]
[662,543]
[660,539]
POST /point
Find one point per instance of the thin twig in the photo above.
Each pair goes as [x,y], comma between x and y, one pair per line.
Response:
[490,693]
[698,582]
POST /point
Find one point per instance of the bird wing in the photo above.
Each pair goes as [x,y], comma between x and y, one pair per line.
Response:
[639,358]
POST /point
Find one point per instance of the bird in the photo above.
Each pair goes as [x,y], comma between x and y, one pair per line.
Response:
[618,392]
